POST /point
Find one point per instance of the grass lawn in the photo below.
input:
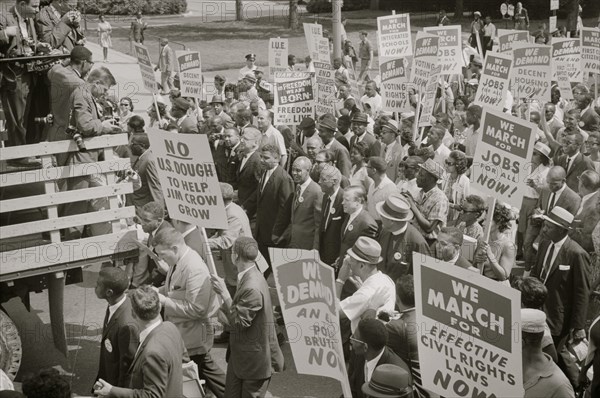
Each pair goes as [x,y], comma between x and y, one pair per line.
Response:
[223,44]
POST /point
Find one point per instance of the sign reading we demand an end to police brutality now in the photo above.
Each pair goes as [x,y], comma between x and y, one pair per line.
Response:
[307,295]
[500,163]
[469,332]
[188,178]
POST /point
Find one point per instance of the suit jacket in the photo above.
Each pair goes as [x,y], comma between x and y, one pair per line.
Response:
[394,161]
[397,251]
[590,119]
[13,46]
[568,200]
[194,240]
[568,285]
[341,157]
[371,141]
[304,217]
[342,140]
[151,190]
[188,126]
[356,369]
[585,222]
[330,230]
[166,59]
[254,352]
[86,117]
[268,203]
[461,262]
[136,31]
[156,370]
[54,31]
[118,346]
[247,178]
[191,302]
[362,225]
[227,166]
[580,164]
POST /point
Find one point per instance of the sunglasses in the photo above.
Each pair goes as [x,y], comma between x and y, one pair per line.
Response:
[448,163]
[123,104]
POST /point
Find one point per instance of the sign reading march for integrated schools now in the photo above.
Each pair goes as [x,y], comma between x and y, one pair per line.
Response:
[190,73]
[466,334]
[394,36]
[188,178]
[504,150]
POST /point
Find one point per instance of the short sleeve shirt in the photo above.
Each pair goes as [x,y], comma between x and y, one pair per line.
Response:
[434,206]
[364,50]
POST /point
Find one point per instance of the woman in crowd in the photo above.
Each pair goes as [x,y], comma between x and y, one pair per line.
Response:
[358,172]
[456,185]
[104,31]
[471,211]
[125,111]
[499,256]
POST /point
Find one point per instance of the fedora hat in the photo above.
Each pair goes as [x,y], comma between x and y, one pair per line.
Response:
[366,250]
[389,127]
[389,381]
[360,118]
[250,76]
[559,216]
[217,99]
[542,148]
[433,168]
[328,122]
[395,208]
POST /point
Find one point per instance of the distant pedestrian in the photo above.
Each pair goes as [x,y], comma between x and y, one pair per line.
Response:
[104,31]
[136,31]
[365,53]
[442,19]
[166,65]
[521,17]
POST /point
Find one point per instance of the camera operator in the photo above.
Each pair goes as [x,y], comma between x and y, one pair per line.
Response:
[59,25]
[86,121]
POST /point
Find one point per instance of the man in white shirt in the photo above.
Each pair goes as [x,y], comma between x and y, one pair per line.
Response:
[373,99]
[409,182]
[343,94]
[381,188]
[489,34]
[341,74]
[249,67]
[441,151]
[270,135]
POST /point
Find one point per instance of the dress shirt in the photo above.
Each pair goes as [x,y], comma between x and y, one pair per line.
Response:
[113,308]
[371,365]
[303,186]
[489,30]
[266,177]
[378,194]
[411,187]
[331,202]
[584,200]
[555,195]
[441,154]
[352,217]
[144,333]
[245,159]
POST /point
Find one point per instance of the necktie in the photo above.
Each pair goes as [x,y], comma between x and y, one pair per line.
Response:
[551,203]
[263,180]
[106,317]
[298,193]
[547,264]
[568,164]
[328,211]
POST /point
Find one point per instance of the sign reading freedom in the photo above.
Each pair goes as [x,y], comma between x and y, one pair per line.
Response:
[294,98]
[188,178]
[467,338]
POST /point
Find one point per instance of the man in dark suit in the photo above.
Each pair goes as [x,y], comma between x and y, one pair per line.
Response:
[573,161]
[557,194]
[274,189]
[358,221]
[303,210]
[250,167]
[227,157]
[145,167]
[136,31]
[398,238]
[254,354]
[448,246]
[332,219]
[369,351]
[151,219]
[186,124]
[360,122]
[588,215]
[327,129]
[59,25]
[156,370]
[119,332]
[564,267]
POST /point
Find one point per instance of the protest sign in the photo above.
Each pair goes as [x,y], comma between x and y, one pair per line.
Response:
[307,295]
[394,85]
[354,90]
[567,52]
[188,178]
[429,99]
[493,83]
[426,50]
[506,39]
[467,327]
[278,54]
[531,72]
[504,148]
[394,36]
[294,98]
[190,73]
[590,50]
[553,5]
[552,23]
[323,50]
[450,48]
[325,88]
[143,58]
[313,32]
[564,84]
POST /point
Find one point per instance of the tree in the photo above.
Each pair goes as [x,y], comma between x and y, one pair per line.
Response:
[458,10]
[239,16]
[572,8]
[293,22]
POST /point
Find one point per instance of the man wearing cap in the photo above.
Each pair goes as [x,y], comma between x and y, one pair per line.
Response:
[398,237]
[250,166]
[270,135]
[564,267]
[359,128]
[185,123]
[377,291]
[431,212]
[217,104]
[248,92]
[166,65]
[365,53]
[391,150]
[541,376]
[372,99]
[303,210]
[381,188]
[332,217]
[388,381]
[249,67]
[327,129]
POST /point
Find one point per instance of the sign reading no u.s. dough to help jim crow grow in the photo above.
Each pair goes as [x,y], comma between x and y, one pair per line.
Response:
[469,332]
[188,178]
[503,153]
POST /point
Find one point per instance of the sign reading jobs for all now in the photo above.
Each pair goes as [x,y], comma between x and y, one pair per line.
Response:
[466,334]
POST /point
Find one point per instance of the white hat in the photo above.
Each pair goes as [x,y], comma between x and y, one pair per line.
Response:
[542,148]
[532,321]
[559,216]
[477,13]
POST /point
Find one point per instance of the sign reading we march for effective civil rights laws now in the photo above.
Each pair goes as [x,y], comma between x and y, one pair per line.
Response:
[466,334]
[190,73]
[188,178]
[307,295]
[504,150]
[143,58]
[294,98]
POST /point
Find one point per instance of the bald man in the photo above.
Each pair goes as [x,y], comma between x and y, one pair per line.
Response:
[270,135]
[303,209]
[556,194]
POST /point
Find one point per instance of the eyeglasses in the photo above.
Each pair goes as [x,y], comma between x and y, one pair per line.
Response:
[123,104]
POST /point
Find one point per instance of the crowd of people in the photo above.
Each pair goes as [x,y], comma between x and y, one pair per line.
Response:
[357,186]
